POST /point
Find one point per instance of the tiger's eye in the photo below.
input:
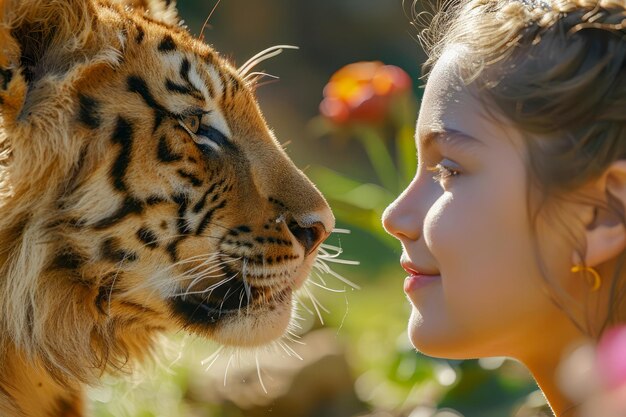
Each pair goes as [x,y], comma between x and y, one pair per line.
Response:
[192,123]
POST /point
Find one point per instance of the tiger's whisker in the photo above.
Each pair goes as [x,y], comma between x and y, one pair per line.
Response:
[289,349]
[315,304]
[185,261]
[258,75]
[261,56]
[205,275]
[301,303]
[321,265]
[241,295]
[317,284]
[208,289]
[178,278]
[318,275]
[168,238]
[215,266]
[224,300]
[295,340]
[212,359]
[246,285]
[167,279]
[227,366]
[283,347]
[206,22]
[258,368]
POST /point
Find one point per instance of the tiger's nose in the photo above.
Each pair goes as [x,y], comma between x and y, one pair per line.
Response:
[309,237]
[312,229]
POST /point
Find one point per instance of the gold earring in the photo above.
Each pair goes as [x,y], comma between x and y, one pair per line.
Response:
[597,281]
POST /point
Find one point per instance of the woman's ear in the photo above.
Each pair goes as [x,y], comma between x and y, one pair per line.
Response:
[606,233]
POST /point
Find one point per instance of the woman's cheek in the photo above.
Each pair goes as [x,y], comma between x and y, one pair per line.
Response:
[439,226]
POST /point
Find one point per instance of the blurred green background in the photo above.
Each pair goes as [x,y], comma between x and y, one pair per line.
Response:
[354,356]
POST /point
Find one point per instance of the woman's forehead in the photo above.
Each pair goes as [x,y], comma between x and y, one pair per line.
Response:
[449,103]
[444,95]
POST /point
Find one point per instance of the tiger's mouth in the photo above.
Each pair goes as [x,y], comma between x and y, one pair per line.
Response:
[237,299]
[232,309]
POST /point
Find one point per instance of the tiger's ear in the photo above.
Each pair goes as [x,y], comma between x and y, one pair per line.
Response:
[39,38]
[163,11]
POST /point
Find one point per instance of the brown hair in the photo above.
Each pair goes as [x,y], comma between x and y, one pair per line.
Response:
[560,79]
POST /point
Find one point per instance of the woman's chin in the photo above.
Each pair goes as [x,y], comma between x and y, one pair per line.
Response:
[432,339]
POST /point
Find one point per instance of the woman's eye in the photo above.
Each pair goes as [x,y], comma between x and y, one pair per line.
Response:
[191,123]
[444,170]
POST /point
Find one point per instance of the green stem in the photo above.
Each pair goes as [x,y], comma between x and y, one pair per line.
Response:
[379,157]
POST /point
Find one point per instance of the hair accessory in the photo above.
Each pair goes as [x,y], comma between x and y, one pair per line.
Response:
[597,280]
[537,4]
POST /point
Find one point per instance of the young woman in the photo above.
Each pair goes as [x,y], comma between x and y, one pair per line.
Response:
[513,230]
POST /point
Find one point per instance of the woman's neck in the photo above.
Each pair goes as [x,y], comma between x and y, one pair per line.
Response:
[547,369]
[560,404]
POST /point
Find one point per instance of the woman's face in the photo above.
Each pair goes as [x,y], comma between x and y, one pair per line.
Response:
[467,225]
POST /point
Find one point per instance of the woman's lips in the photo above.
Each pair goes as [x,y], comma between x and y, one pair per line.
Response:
[416,279]
[414,282]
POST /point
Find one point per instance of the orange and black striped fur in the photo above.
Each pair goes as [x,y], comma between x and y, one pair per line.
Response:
[140,191]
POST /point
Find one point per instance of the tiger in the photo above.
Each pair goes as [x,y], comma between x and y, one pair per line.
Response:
[141,192]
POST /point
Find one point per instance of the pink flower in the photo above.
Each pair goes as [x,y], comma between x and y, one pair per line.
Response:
[611,357]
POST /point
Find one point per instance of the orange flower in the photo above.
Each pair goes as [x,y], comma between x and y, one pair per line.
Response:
[362,92]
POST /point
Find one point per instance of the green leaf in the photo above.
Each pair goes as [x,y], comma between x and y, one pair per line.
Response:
[331,183]
[378,154]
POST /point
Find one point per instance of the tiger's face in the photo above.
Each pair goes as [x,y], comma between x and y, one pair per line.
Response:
[207,221]
[162,200]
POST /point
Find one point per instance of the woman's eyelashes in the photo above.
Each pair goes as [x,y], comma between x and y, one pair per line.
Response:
[444,171]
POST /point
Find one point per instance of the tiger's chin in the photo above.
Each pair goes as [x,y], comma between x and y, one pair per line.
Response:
[241,316]
[256,328]
[253,324]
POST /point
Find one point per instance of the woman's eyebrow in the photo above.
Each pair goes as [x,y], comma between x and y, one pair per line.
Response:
[450,137]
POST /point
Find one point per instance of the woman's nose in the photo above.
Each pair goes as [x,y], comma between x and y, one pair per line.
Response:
[403,218]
